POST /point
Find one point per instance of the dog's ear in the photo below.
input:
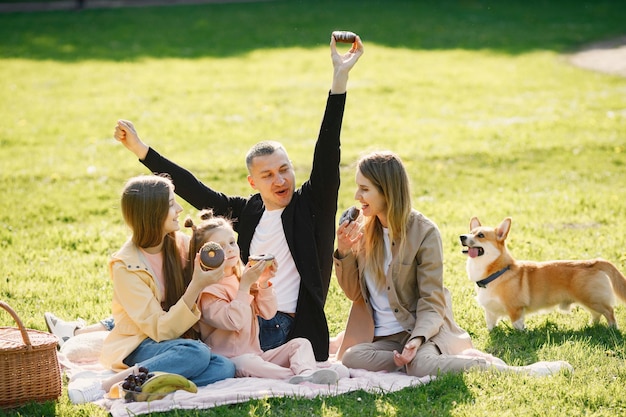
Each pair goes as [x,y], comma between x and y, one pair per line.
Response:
[474,223]
[503,230]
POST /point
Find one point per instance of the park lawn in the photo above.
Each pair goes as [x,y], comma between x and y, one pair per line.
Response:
[477,97]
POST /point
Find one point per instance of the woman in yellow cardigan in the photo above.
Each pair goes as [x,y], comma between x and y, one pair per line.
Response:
[154,307]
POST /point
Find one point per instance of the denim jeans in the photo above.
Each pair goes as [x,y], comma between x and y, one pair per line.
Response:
[108,323]
[189,358]
[274,332]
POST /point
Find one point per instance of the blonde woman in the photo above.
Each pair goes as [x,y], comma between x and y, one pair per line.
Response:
[389,262]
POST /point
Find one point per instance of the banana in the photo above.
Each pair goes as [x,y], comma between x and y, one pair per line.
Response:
[163,383]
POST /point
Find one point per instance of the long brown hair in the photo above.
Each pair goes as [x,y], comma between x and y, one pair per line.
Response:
[145,206]
[386,172]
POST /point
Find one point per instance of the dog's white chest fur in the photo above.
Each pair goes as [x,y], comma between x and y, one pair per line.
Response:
[490,302]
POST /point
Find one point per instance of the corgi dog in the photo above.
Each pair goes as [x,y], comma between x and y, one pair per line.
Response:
[510,288]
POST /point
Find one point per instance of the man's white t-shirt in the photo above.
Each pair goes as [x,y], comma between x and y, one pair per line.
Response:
[269,237]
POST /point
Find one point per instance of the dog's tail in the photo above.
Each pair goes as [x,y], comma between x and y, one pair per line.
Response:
[618,280]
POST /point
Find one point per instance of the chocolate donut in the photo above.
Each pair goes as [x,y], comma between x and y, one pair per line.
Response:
[344,36]
[211,256]
[267,257]
[350,214]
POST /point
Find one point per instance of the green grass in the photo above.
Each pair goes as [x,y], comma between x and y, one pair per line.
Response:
[477,97]
[29,1]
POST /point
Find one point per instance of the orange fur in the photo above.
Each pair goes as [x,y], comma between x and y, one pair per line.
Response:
[528,287]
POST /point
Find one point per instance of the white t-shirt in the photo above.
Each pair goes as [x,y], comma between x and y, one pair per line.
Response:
[269,237]
[385,322]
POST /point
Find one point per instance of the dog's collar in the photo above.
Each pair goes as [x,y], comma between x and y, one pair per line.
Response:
[483,282]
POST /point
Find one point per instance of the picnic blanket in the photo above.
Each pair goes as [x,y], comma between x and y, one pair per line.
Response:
[239,390]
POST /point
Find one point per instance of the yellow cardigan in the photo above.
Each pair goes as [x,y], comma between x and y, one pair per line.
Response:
[136,307]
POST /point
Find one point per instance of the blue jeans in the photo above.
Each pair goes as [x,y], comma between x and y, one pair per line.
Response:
[189,358]
[274,332]
[108,323]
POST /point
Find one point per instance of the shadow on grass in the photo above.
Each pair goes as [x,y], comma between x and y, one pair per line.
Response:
[222,30]
[437,398]
[506,341]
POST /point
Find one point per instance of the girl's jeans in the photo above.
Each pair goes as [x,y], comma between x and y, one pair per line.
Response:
[275,331]
[189,358]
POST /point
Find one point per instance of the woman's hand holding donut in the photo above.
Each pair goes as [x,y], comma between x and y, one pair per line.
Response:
[199,280]
[348,236]
[208,277]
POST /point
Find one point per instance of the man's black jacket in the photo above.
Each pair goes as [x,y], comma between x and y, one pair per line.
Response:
[308,221]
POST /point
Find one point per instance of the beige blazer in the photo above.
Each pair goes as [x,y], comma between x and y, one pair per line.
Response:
[416,293]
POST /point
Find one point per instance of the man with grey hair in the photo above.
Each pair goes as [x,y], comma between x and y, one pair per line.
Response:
[297,226]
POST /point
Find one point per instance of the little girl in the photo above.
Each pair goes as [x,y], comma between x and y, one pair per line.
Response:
[230,309]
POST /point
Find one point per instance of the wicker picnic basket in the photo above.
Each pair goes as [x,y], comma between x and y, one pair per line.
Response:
[29,368]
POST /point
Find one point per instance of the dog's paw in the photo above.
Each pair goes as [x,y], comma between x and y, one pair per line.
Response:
[519,325]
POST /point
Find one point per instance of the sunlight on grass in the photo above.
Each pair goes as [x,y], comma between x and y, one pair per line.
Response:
[477,98]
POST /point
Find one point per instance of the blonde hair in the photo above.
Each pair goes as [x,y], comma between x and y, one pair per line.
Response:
[202,233]
[145,205]
[386,172]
